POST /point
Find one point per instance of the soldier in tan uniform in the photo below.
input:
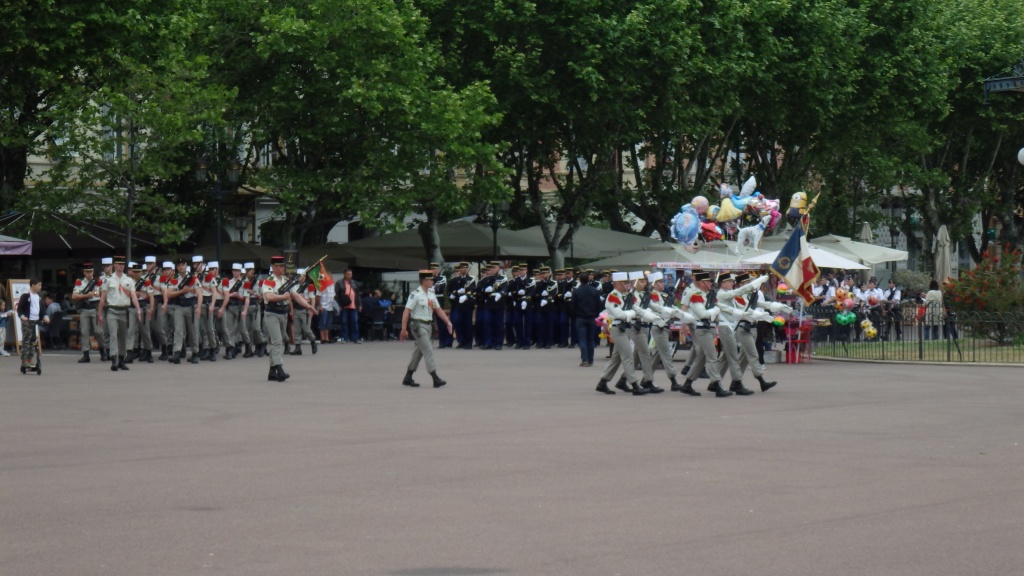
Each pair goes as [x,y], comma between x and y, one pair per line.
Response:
[420,310]
[619,310]
[118,299]
[87,295]
[303,306]
[252,316]
[108,267]
[230,310]
[702,306]
[162,322]
[209,278]
[183,298]
[277,306]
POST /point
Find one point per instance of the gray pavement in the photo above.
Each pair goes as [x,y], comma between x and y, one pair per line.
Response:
[516,467]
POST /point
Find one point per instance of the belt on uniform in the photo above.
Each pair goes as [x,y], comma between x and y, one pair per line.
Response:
[89,305]
[422,321]
[704,327]
[234,304]
[276,310]
[746,325]
[117,307]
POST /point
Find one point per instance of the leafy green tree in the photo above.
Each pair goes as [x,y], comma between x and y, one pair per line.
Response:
[341,112]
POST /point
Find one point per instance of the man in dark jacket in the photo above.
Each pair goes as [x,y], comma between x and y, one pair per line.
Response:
[587,305]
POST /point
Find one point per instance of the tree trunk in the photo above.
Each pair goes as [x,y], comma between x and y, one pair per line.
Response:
[14,160]
[431,238]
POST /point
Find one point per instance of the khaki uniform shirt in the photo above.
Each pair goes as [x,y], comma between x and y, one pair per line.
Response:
[119,291]
[421,305]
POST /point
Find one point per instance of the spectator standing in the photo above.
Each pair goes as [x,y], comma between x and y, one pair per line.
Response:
[347,293]
[328,310]
[4,315]
[586,306]
[30,313]
[934,312]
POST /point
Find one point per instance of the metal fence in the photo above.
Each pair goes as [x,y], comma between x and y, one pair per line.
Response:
[914,334]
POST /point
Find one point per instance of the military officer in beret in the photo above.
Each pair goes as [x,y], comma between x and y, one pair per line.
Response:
[118,299]
[276,308]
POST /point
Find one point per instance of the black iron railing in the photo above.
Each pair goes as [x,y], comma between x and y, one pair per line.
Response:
[912,333]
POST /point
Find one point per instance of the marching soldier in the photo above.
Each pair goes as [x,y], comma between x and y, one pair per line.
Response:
[87,294]
[510,307]
[420,310]
[258,334]
[732,302]
[118,296]
[230,310]
[108,269]
[638,329]
[522,300]
[163,323]
[140,340]
[183,299]
[460,294]
[702,306]
[660,331]
[276,300]
[303,300]
[490,291]
[208,281]
[619,311]
[753,311]
[444,336]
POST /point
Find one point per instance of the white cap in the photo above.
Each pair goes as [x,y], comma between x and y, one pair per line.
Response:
[133,264]
[197,259]
[168,264]
[639,275]
[250,265]
[150,260]
[300,270]
[213,264]
[107,260]
[655,276]
[620,276]
[236,266]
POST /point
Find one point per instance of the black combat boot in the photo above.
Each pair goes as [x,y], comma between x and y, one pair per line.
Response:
[203,353]
[113,365]
[149,356]
[121,363]
[687,388]
[737,388]
[621,384]
[128,358]
[651,388]
[282,373]
[165,353]
[228,352]
[638,390]
[312,344]
[176,358]
[297,351]
[686,370]
[718,390]
[85,358]
[437,380]
[211,355]
[408,381]
[287,348]
[248,351]
[765,385]
[104,355]
[675,385]
[194,358]
[602,386]
[276,375]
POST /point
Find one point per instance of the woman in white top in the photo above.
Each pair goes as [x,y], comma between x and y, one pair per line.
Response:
[935,312]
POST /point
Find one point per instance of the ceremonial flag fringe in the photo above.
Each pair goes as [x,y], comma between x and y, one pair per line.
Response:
[320,276]
[794,264]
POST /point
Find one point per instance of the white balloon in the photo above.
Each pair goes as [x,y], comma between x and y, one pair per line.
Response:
[1020,156]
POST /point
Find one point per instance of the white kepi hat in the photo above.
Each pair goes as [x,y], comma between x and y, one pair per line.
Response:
[620,276]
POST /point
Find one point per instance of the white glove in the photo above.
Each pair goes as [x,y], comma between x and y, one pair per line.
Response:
[489,289]
[713,314]
[543,302]
[759,281]
[522,292]
[568,295]
[777,307]
[685,316]
[462,290]
[523,305]
[761,316]
[462,299]
[544,293]
[630,314]
[497,297]
[648,316]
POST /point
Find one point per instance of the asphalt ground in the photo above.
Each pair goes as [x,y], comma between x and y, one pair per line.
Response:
[516,467]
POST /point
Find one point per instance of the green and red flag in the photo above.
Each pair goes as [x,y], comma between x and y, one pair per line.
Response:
[320,276]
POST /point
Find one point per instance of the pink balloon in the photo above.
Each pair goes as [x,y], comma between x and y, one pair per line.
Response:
[848,303]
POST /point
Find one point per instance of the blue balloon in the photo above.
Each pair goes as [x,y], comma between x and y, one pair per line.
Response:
[686,225]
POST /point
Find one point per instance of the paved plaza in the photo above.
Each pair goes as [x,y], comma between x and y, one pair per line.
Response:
[517,467]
